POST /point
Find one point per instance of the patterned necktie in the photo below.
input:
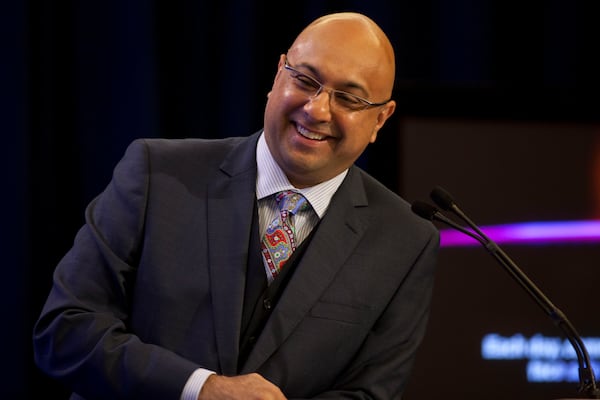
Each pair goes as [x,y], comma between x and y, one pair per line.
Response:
[279,241]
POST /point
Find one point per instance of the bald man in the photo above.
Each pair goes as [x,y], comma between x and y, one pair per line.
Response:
[171,290]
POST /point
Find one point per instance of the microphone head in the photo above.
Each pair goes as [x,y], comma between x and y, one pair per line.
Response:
[423,210]
[442,198]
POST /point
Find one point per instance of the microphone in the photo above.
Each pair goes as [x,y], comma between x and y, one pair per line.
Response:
[431,213]
[445,201]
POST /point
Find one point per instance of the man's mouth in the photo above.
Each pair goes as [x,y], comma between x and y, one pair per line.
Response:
[309,134]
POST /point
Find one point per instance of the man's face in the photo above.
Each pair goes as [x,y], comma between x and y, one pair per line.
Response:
[314,138]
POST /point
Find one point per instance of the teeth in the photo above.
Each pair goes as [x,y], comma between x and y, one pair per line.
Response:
[308,134]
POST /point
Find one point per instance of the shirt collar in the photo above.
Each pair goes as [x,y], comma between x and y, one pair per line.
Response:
[271,179]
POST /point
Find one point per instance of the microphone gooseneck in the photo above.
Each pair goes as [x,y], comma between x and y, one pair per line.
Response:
[445,201]
[431,213]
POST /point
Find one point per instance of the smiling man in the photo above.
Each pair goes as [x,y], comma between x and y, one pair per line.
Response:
[266,266]
[330,97]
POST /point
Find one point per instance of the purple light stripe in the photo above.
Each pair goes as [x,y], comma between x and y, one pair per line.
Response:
[547,232]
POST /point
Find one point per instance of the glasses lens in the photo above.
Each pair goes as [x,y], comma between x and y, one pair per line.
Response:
[307,84]
[348,101]
[338,98]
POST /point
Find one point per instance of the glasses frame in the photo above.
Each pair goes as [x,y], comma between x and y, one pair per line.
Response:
[365,104]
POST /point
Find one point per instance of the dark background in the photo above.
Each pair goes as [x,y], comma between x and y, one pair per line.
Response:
[81,79]
[503,172]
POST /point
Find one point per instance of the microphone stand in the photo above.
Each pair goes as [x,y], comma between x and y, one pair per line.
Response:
[586,374]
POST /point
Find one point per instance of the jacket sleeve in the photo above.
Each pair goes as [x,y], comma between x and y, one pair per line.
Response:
[82,337]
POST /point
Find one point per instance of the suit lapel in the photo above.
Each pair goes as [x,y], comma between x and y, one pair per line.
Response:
[336,236]
[231,199]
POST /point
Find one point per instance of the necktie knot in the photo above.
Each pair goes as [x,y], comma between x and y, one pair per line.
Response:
[291,201]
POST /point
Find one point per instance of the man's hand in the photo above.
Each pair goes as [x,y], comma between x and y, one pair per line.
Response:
[242,387]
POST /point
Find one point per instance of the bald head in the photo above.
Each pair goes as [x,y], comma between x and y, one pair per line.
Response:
[362,25]
[351,38]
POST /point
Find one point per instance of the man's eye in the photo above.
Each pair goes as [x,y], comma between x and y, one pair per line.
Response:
[347,99]
[305,82]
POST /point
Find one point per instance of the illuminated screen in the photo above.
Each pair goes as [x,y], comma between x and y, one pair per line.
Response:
[534,188]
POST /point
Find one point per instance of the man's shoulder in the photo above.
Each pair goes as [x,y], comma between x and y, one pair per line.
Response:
[389,206]
[193,144]
[374,188]
[191,149]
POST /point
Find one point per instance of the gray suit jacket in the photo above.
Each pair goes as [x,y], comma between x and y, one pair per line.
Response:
[153,286]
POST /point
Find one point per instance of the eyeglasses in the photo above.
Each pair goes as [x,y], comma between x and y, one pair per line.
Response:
[312,87]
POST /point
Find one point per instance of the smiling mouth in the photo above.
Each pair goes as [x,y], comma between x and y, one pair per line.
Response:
[309,134]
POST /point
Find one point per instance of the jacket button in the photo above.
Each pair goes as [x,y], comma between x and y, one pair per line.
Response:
[267,304]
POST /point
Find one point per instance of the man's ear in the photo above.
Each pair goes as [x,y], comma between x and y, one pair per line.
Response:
[383,115]
[280,66]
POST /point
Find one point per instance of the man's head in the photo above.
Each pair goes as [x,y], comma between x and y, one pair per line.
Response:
[317,122]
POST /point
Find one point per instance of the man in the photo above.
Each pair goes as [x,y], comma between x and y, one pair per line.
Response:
[168,291]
